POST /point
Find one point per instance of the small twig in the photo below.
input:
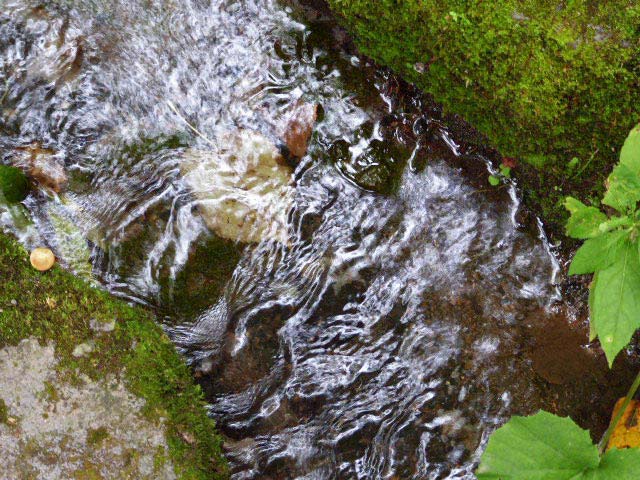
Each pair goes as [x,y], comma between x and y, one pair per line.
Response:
[602,445]
[6,91]
[196,131]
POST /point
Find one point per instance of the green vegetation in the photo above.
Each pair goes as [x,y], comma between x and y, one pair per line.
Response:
[56,306]
[611,251]
[14,185]
[548,447]
[95,436]
[554,83]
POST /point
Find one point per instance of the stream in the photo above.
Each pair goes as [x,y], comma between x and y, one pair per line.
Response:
[371,310]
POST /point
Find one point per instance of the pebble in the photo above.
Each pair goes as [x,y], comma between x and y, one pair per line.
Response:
[83,349]
[98,326]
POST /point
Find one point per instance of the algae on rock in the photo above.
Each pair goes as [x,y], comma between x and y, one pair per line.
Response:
[131,358]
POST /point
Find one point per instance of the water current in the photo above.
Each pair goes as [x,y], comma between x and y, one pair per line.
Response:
[368,308]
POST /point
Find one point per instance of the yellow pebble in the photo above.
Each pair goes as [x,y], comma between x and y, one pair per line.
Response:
[42,259]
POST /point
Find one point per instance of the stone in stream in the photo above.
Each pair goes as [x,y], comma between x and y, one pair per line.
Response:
[297,129]
[244,189]
[90,387]
[43,165]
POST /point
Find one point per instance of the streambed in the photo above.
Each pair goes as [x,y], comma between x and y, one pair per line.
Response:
[377,317]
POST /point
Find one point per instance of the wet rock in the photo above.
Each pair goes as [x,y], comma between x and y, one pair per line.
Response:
[83,349]
[88,429]
[296,132]
[44,166]
[98,326]
[243,188]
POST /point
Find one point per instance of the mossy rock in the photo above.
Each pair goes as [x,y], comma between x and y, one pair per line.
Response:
[201,281]
[13,184]
[57,307]
[544,81]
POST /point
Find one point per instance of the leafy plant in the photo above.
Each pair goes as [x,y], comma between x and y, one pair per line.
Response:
[547,447]
[505,172]
[611,252]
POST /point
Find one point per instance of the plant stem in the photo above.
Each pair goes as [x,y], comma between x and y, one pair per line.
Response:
[586,164]
[602,445]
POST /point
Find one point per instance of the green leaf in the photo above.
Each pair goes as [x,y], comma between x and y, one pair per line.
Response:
[573,163]
[624,181]
[599,253]
[630,153]
[540,447]
[615,309]
[617,465]
[624,188]
[494,181]
[546,447]
[615,222]
[584,220]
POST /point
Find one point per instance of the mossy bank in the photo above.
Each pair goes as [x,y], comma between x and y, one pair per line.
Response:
[555,84]
[99,347]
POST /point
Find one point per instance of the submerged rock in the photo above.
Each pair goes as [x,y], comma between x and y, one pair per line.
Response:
[44,166]
[296,131]
[244,189]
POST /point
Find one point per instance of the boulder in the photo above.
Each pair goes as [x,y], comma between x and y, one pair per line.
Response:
[243,189]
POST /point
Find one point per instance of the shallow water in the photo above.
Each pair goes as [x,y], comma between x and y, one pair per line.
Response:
[398,314]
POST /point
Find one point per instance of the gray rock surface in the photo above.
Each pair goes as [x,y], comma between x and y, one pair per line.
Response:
[55,430]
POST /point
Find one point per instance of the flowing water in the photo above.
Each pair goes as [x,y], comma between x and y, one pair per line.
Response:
[378,310]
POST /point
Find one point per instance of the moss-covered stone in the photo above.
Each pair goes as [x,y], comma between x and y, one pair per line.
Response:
[14,185]
[544,81]
[211,263]
[57,307]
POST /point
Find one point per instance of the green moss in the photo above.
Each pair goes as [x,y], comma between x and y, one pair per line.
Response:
[95,436]
[4,412]
[56,306]
[50,393]
[211,263]
[544,81]
[13,184]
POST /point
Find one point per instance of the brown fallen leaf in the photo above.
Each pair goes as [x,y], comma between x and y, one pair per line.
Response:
[297,130]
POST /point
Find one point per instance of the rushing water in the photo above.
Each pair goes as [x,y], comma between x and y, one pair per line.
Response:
[393,317]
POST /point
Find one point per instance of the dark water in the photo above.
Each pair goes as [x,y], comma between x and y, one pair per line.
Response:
[393,309]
